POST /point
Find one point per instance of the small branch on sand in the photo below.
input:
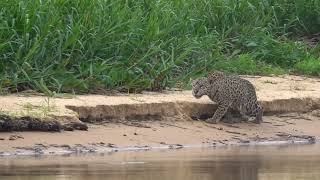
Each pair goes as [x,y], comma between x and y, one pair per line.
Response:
[172,125]
[232,132]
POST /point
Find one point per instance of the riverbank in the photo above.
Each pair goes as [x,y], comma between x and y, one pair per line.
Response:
[171,119]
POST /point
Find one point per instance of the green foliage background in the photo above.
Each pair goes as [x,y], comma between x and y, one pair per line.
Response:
[91,45]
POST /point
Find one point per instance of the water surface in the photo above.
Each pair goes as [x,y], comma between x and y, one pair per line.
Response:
[240,163]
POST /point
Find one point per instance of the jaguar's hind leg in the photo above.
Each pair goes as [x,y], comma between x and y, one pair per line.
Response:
[259,114]
[233,116]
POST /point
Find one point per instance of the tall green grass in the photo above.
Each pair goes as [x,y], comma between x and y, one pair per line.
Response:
[131,45]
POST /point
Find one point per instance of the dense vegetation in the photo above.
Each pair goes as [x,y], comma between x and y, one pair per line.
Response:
[93,45]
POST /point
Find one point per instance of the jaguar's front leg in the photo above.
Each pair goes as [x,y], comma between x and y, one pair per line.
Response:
[220,112]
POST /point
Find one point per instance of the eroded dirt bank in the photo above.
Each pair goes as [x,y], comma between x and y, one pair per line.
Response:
[291,106]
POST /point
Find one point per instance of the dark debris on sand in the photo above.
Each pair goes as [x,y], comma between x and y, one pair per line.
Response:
[8,124]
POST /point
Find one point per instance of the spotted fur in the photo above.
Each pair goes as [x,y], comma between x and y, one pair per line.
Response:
[228,92]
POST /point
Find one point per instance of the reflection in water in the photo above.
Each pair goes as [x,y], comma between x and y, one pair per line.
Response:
[272,163]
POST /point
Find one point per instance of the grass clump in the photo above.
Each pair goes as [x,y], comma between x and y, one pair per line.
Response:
[308,67]
[93,45]
[245,64]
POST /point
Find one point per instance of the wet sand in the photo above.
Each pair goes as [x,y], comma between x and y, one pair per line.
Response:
[166,134]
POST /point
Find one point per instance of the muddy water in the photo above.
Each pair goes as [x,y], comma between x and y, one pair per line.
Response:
[241,163]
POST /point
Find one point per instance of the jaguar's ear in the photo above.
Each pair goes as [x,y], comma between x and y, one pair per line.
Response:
[211,81]
[214,75]
[217,73]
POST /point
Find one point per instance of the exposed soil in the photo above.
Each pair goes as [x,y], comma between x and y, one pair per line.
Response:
[311,40]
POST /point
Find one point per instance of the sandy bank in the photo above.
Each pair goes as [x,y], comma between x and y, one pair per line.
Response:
[291,106]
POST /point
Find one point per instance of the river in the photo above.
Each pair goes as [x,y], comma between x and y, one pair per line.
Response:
[231,163]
